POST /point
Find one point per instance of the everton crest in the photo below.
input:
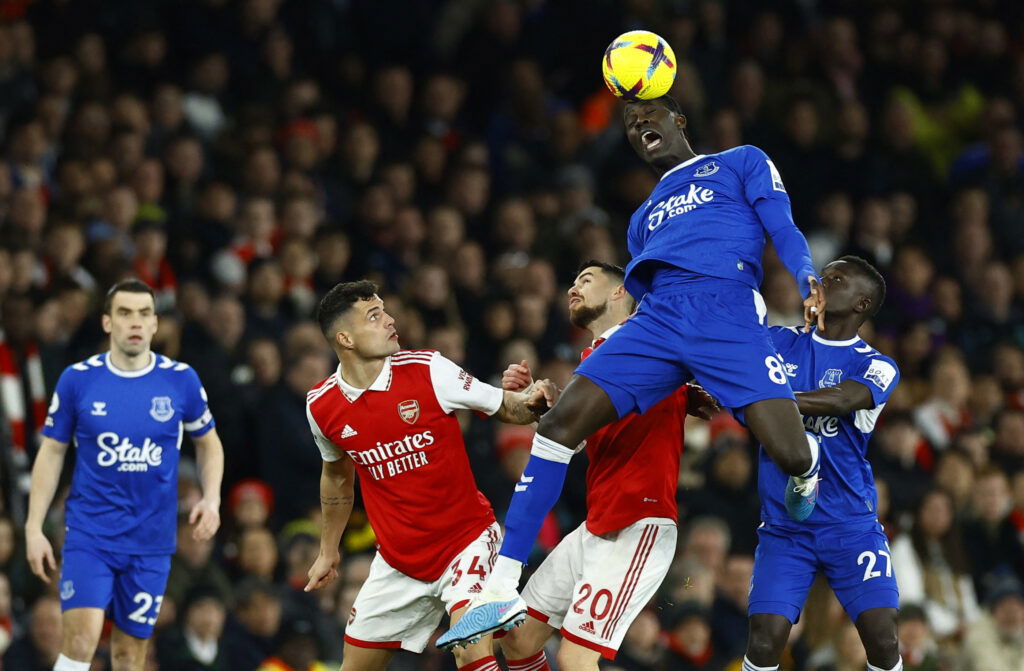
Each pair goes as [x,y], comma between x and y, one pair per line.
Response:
[161,410]
[409,411]
[706,170]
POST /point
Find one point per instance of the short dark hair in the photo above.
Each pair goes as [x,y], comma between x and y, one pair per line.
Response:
[609,268]
[615,271]
[873,277]
[340,300]
[131,286]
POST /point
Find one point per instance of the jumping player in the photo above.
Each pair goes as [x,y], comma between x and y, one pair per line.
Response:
[847,384]
[696,244]
[388,414]
[126,411]
[599,577]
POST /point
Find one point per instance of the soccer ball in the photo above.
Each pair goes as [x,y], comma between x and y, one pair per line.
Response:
[639,65]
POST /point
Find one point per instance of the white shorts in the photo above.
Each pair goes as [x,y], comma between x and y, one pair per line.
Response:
[393,610]
[593,587]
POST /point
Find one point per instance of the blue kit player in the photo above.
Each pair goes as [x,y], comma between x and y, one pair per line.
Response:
[696,247]
[125,411]
[842,385]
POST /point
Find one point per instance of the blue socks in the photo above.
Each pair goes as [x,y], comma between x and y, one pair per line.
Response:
[535,496]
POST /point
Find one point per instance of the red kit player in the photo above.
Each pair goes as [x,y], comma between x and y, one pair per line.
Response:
[599,578]
[387,414]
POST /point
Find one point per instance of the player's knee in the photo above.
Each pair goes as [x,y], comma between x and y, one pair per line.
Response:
[79,645]
[879,636]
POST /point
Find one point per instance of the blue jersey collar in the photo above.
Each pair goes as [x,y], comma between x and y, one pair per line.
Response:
[834,343]
[130,373]
[684,164]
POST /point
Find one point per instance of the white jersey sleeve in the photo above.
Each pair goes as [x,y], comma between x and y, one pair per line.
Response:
[456,389]
[328,450]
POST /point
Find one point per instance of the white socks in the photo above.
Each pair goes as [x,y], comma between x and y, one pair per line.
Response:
[812,443]
[898,667]
[505,575]
[67,664]
[748,666]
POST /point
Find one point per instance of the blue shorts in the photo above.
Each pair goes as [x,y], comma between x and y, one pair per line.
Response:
[854,558]
[709,329]
[130,588]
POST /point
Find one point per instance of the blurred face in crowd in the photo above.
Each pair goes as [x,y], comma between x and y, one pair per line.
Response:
[44,627]
[735,583]
[914,634]
[936,515]
[7,540]
[257,553]
[309,369]
[693,634]
[645,632]
[992,497]
[955,474]
[205,618]
[1008,614]
[261,615]
[1010,432]
[709,545]
[131,323]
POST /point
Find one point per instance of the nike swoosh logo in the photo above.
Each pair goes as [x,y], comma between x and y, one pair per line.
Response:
[501,611]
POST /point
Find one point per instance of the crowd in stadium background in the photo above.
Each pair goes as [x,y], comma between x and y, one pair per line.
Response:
[243,157]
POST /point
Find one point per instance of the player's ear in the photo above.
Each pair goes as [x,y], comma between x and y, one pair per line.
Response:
[344,340]
[863,304]
[681,121]
[106,323]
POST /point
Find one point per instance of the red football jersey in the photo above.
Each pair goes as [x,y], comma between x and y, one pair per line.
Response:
[634,464]
[408,450]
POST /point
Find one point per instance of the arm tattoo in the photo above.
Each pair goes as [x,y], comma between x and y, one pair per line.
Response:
[335,500]
[514,411]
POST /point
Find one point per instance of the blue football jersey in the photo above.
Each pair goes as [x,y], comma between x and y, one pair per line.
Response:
[126,427]
[847,492]
[701,217]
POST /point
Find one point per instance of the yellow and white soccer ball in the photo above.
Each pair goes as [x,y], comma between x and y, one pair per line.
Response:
[639,65]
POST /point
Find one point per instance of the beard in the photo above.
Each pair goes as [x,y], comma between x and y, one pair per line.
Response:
[584,315]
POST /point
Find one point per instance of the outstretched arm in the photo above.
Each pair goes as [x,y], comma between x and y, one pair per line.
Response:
[777,219]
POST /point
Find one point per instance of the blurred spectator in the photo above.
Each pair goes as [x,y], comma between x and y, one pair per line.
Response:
[195,644]
[931,567]
[38,648]
[917,645]
[192,567]
[996,640]
[994,544]
[249,634]
[297,649]
[689,640]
